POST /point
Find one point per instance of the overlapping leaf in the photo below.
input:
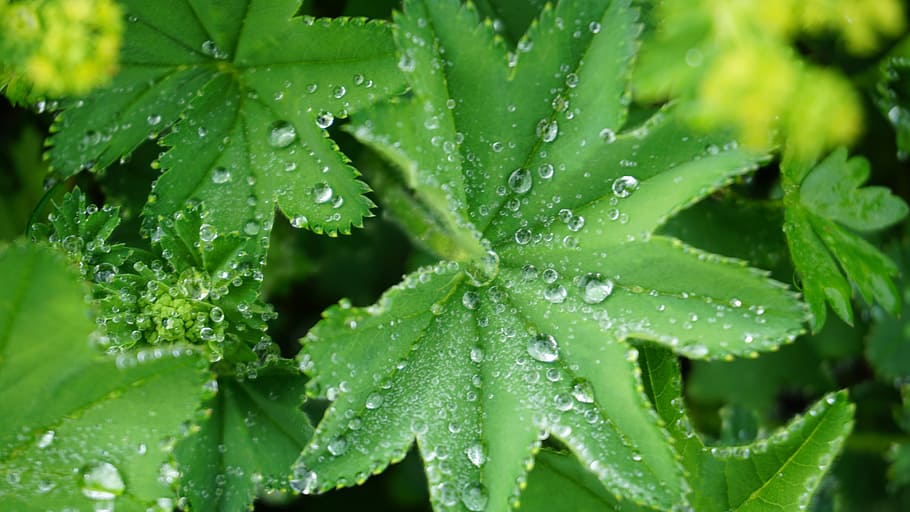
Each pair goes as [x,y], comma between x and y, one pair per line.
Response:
[892,93]
[198,286]
[820,201]
[254,431]
[245,90]
[78,430]
[541,208]
[780,472]
[888,348]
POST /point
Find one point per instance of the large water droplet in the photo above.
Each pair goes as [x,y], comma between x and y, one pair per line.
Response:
[337,446]
[624,186]
[322,193]
[595,288]
[207,233]
[374,401]
[583,391]
[543,348]
[102,481]
[220,175]
[549,131]
[476,454]
[474,497]
[303,479]
[470,299]
[555,293]
[325,119]
[282,134]
[520,181]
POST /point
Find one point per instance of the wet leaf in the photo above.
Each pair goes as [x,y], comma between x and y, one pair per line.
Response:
[541,209]
[244,90]
[79,429]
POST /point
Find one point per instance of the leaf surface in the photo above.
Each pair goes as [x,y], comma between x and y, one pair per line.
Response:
[820,201]
[520,331]
[780,472]
[245,90]
[76,428]
[254,432]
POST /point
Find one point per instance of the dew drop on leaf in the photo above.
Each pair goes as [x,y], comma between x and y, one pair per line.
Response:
[523,236]
[608,135]
[624,186]
[46,439]
[337,446]
[281,134]
[520,181]
[374,401]
[153,119]
[548,130]
[543,348]
[476,454]
[322,193]
[595,288]
[339,92]
[474,496]
[325,119]
[207,233]
[303,479]
[220,175]
[555,293]
[571,80]
[583,391]
[470,299]
[102,481]
[216,314]
[545,171]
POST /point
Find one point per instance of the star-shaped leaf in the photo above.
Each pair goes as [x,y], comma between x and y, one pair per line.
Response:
[245,90]
[541,208]
[79,430]
[780,472]
[254,431]
[820,201]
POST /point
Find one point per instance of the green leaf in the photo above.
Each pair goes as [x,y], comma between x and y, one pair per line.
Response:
[780,472]
[888,350]
[520,331]
[559,482]
[892,93]
[245,90]
[254,431]
[820,199]
[78,429]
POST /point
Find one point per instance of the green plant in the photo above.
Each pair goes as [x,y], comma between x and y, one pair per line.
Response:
[566,245]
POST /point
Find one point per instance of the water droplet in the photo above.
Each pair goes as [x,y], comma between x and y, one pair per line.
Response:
[523,236]
[550,275]
[545,171]
[211,49]
[595,288]
[303,479]
[282,134]
[520,181]
[339,92]
[46,439]
[470,299]
[624,186]
[576,223]
[325,119]
[220,175]
[583,391]
[608,135]
[337,446]
[529,272]
[572,80]
[476,454]
[153,119]
[594,27]
[216,314]
[548,130]
[102,481]
[105,273]
[207,233]
[562,401]
[543,348]
[322,193]
[474,497]
[374,401]
[555,293]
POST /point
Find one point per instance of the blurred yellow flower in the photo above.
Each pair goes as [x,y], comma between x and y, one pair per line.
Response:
[733,64]
[60,47]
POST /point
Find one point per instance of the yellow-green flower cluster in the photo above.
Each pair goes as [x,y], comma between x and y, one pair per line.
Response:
[59,47]
[733,64]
